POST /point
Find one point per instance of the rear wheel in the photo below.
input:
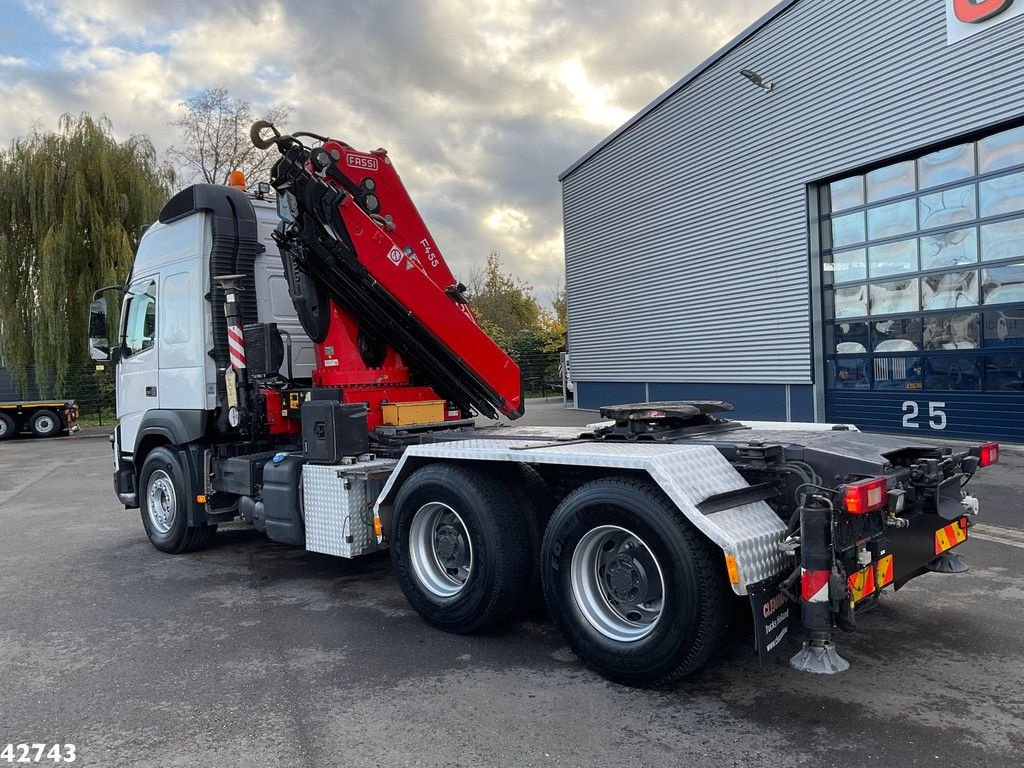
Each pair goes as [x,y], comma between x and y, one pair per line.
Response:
[163,506]
[534,498]
[44,423]
[7,428]
[638,593]
[460,547]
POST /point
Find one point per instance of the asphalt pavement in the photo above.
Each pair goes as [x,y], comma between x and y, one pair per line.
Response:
[256,654]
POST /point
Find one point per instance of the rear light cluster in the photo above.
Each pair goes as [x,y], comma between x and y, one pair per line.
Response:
[865,496]
[988,455]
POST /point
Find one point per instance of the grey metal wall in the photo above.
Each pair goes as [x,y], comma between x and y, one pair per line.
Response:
[686,237]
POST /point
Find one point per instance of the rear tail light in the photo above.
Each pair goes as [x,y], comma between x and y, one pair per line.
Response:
[988,455]
[865,496]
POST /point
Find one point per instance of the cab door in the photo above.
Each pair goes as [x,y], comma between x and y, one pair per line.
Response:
[138,369]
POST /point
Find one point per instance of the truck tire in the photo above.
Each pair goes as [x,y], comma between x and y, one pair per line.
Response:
[44,423]
[535,499]
[637,592]
[460,548]
[7,427]
[162,504]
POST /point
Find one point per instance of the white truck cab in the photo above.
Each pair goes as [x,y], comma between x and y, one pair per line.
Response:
[170,357]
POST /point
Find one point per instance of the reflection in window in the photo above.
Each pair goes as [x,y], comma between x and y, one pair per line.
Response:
[1003,150]
[140,321]
[896,297]
[1003,285]
[1003,194]
[898,335]
[1002,240]
[893,258]
[849,373]
[1005,372]
[847,193]
[949,249]
[949,291]
[848,230]
[951,332]
[951,206]
[892,220]
[848,338]
[851,302]
[952,373]
[891,181]
[849,265]
[898,372]
[945,306]
[945,166]
[1004,328]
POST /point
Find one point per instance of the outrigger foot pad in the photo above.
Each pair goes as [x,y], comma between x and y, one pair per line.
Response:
[947,562]
[819,657]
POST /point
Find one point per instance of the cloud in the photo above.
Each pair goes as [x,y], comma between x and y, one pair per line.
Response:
[481,103]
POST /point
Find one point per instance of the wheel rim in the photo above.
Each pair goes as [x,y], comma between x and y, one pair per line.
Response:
[44,424]
[617,583]
[3,427]
[161,503]
[440,549]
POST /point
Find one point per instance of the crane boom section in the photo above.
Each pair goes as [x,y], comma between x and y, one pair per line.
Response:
[350,231]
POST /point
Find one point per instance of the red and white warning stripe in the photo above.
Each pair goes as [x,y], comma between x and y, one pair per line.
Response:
[236,347]
[814,586]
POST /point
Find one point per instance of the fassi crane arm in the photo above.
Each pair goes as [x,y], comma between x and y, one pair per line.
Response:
[351,233]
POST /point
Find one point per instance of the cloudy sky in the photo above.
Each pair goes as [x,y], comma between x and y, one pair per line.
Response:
[481,103]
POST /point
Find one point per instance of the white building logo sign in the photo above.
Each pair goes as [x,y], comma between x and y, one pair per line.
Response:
[969,17]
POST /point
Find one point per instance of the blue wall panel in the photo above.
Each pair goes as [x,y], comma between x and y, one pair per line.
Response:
[973,415]
[801,403]
[751,401]
[595,394]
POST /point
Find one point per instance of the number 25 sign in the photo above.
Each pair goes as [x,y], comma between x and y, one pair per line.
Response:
[912,415]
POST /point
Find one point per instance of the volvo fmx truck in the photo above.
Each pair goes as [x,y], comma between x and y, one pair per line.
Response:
[302,359]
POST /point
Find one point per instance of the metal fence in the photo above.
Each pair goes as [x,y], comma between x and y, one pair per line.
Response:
[92,385]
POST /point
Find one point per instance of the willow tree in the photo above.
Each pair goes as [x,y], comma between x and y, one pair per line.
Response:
[72,206]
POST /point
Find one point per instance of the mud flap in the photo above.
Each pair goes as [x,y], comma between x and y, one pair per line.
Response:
[775,617]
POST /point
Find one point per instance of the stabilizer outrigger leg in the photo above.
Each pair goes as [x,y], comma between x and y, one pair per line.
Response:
[819,656]
[820,587]
[947,562]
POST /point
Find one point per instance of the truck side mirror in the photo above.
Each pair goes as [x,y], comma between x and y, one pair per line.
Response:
[99,344]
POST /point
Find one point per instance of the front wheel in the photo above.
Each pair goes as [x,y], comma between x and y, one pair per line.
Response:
[638,593]
[163,506]
[459,547]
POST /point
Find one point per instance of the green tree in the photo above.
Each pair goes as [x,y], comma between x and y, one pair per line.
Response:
[72,206]
[214,130]
[503,304]
[555,324]
[509,312]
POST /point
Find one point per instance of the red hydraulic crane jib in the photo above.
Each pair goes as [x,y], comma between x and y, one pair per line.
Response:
[393,246]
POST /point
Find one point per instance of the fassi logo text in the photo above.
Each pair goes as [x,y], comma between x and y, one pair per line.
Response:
[977,11]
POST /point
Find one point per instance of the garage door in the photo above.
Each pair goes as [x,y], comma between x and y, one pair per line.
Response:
[923,275]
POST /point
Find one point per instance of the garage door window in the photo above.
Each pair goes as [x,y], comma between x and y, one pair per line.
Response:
[923,266]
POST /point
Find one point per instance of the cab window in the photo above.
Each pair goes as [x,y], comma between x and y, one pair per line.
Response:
[140,319]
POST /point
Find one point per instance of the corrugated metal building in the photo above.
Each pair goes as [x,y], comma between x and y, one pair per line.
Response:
[846,246]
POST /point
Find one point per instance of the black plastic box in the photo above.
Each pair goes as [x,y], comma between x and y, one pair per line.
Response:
[333,430]
[264,349]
